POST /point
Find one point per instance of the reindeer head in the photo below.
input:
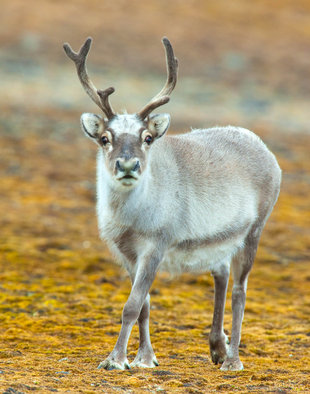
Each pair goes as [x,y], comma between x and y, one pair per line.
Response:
[125,139]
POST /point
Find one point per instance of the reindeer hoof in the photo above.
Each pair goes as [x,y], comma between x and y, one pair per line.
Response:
[218,357]
[218,349]
[232,365]
[144,363]
[110,364]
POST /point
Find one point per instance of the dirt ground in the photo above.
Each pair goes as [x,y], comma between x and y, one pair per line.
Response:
[61,296]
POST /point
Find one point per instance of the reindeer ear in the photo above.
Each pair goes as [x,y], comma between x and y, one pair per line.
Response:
[158,124]
[92,125]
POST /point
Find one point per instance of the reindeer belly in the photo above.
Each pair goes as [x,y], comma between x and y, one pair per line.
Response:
[200,258]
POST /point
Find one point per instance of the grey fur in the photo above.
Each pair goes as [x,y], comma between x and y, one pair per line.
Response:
[200,204]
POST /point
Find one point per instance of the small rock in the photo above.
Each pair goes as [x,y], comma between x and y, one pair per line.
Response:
[63,359]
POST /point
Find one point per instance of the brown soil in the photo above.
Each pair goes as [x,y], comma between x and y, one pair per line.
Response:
[61,296]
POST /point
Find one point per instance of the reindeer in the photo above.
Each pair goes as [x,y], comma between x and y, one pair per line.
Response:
[194,202]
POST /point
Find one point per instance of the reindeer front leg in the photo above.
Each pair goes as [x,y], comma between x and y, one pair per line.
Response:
[137,305]
[145,357]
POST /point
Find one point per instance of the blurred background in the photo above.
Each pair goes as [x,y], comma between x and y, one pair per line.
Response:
[244,63]
[241,62]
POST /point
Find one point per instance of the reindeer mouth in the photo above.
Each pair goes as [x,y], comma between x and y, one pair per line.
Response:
[127,180]
[128,177]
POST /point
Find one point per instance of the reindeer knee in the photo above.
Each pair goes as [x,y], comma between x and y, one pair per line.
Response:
[131,311]
[145,311]
[238,294]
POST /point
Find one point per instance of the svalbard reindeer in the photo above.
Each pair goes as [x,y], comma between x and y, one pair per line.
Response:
[194,202]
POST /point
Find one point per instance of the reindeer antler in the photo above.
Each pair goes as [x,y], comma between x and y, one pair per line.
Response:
[100,97]
[172,72]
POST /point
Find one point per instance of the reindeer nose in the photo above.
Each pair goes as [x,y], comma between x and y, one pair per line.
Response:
[130,165]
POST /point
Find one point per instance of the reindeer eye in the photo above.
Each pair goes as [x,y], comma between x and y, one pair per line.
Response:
[105,140]
[148,139]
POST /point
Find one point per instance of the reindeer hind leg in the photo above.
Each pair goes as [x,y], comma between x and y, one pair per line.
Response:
[241,267]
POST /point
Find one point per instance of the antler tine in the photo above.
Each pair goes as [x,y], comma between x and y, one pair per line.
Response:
[104,95]
[162,97]
[100,97]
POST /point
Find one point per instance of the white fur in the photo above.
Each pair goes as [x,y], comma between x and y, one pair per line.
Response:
[216,199]
[126,123]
